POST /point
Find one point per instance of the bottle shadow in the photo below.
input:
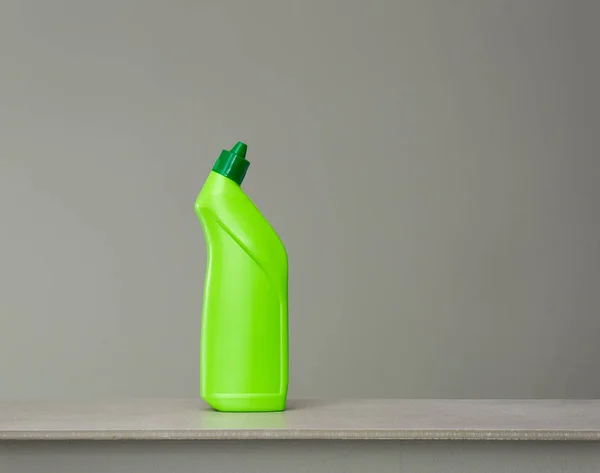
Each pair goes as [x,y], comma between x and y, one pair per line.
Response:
[212,419]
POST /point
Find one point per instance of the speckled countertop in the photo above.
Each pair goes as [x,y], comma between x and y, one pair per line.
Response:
[190,419]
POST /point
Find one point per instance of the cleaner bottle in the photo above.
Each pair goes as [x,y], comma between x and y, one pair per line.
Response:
[244,339]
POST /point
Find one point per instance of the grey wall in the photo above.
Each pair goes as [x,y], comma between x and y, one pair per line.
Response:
[432,167]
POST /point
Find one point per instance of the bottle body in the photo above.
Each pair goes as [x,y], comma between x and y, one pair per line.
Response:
[244,337]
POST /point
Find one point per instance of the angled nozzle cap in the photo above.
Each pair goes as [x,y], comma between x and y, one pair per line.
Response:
[233,164]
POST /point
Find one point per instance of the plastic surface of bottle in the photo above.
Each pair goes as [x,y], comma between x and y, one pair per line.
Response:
[244,338]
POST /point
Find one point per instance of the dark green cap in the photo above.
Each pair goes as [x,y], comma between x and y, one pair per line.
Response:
[232,164]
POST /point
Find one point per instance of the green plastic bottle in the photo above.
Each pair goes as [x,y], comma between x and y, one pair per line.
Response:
[244,339]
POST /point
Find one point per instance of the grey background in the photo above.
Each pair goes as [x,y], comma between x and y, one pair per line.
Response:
[432,167]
